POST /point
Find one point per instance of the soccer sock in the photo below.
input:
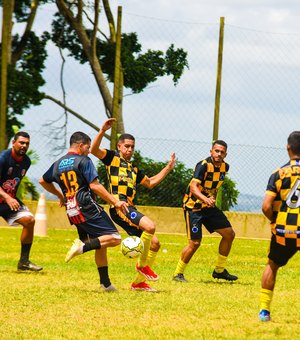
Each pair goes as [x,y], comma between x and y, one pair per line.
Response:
[265,298]
[150,261]
[104,278]
[146,238]
[94,243]
[220,266]
[180,267]
[25,250]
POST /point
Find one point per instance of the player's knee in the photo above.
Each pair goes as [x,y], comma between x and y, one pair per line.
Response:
[27,222]
[116,239]
[195,244]
[150,228]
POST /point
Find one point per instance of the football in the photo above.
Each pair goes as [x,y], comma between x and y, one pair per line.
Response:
[132,247]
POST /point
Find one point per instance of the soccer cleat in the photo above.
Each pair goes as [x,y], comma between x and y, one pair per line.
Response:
[224,275]
[110,288]
[142,286]
[76,249]
[264,315]
[180,278]
[147,272]
[29,266]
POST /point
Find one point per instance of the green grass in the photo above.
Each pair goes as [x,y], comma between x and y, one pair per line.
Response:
[64,301]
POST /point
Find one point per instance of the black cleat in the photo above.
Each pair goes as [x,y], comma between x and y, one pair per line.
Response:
[224,275]
[180,278]
[29,266]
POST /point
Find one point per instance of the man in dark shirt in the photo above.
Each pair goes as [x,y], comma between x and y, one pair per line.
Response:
[14,164]
[77,178]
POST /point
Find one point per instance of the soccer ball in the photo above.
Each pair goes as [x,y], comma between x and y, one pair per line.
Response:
[132,247]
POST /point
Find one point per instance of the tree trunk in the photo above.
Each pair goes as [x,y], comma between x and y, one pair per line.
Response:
[7,7]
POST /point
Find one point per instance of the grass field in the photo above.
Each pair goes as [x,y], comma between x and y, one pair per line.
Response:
[64,301]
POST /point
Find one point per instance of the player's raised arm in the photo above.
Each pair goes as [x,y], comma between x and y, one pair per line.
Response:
[156,179]
[96,150]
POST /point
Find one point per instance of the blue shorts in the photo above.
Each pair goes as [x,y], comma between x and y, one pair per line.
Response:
[97,226]
[212,218]
[129,221]
[281,254]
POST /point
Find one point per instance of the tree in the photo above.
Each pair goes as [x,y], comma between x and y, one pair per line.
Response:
[70,30]
[26,57]
[227,195]
[75,28]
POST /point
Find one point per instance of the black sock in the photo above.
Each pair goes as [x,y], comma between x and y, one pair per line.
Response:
[104,278]
[25,250]
[94,243]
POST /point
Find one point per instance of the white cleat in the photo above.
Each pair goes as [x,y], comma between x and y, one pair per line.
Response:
[110,288]
[76,249]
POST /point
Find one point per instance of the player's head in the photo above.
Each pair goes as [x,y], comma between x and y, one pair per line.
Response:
[81,142]
[218,151]
[126,144]
[220,142]
[20,143]
[294,143]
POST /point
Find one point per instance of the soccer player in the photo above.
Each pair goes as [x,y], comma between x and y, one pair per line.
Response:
[14,164]
[78,180]
[199,209]
[123,178]
[281,206]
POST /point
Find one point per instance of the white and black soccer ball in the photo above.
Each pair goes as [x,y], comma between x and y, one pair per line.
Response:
[132,247]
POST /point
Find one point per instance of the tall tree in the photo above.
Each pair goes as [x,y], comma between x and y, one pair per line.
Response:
[26,55]
[7,13]
[76,29]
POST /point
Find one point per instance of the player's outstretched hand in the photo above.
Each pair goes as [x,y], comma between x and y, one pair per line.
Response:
[172,161]
[108,124]
[122,206]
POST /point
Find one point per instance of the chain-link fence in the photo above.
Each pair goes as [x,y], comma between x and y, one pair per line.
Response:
[259,101]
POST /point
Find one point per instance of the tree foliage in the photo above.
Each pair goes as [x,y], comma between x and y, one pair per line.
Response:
[227,195]
[139,69]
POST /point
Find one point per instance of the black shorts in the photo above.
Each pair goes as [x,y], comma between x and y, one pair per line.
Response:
[281,254]
[211,218]
[129,221]
[97,226]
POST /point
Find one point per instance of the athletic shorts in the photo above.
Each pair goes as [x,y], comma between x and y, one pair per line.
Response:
[97,226]
[212,218]
[281,254]
[11,216]
[129,221]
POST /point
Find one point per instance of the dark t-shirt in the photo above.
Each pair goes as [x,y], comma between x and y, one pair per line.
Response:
[74,173]
[11,173]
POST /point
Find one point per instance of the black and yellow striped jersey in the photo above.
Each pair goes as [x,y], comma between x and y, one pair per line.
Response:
[284,185]
[123,176]
[210,178]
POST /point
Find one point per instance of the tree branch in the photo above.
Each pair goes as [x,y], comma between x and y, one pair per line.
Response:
[77,115]
[16,55]
[110,20]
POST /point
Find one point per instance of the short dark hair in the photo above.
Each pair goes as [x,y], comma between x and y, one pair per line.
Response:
[220,142]
[294,142]
[79,137]
[125,136]
[21,134]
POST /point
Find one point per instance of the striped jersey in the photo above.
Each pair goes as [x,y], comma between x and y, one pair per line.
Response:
[284,185]
[210,178]
[123,176]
